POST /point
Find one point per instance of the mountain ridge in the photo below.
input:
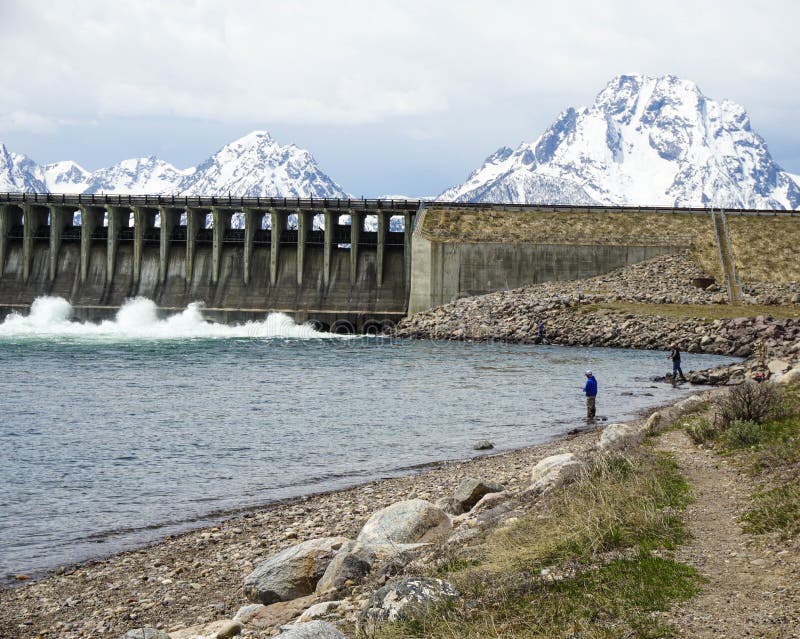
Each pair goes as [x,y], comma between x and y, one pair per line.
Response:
[644,141]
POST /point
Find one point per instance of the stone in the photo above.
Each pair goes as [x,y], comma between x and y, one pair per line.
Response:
[450,505]
[776,366]
[319,610]
[405,522]
[483,444]
[312,630]
[619,436]
[222,629]
[489,501]
[554,471]
[246,612]
[653,422]
[145,633]
[405,598]
[293,572]
[470,491]
[345,566]
[792,376]
[276,614]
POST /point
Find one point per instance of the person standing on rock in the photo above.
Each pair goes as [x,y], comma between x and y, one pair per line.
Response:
[675,356]
[540,332]
[591,395]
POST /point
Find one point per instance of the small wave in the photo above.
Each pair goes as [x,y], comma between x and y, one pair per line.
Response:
[137,319]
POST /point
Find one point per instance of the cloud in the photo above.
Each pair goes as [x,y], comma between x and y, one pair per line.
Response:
[26,121]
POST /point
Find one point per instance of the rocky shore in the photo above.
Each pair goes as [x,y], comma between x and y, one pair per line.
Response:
[357,557]
[633,307]
[196,578]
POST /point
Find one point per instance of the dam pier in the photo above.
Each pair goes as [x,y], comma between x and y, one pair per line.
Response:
[345,261]
[350,265]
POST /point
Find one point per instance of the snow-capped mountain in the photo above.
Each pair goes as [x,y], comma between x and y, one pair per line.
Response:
[19,173]
[257,166]
[644,141]
[66,177]
[254,165]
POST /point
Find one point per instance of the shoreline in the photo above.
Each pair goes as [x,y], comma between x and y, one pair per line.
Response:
[196,576]
[173,529]
[216,518]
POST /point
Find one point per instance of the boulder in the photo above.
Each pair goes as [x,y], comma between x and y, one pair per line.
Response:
[145,633]
[483,444]
[777,366]
[619,436]
[293,572]
[223,629]
[404,599]
[274,615]
[489,501]
[450,505]
[319,611]
[792,376]
[345,567]
[653,422]
[312,630]
[405,522]
[554,471]
[471,490]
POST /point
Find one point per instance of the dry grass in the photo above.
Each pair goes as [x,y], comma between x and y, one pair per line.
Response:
[581,565]
[765,248]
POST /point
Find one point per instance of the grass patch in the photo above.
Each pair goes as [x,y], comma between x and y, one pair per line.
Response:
[776,509]
[582,565]
[613,600]
[622,503]
[759,424]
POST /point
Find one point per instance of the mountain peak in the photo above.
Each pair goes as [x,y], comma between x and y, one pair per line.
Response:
[645,140]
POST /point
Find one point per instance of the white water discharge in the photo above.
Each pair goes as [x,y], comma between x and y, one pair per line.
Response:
[137,319]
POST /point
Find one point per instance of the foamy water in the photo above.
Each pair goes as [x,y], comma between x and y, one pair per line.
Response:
[138,319]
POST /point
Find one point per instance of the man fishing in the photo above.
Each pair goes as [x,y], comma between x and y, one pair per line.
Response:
[591,395]
[675,356]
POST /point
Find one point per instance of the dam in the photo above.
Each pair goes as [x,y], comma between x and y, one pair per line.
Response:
[349,265]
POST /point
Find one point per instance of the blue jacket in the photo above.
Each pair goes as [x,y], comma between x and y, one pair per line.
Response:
[591,387]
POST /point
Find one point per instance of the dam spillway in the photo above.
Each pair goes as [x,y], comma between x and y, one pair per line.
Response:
[350,265]
[315,259]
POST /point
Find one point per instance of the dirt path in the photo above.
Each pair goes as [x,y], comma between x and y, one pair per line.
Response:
[753,587]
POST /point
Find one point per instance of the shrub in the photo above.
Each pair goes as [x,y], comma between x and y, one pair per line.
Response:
[702,430]
[741,434]
[751,402]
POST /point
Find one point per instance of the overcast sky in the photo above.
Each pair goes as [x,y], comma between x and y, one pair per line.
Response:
[390,97]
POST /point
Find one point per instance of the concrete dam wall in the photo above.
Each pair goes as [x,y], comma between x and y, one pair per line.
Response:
[349,274]
[348,265]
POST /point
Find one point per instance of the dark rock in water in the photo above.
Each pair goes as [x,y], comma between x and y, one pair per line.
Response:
[483,444]
[627,394]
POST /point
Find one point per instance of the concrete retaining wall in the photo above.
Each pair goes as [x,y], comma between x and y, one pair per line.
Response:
[445,271]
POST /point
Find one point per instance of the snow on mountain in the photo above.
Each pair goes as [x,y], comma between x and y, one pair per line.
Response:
[254,165]
[18,172]
[66,177]
[138,176]
[644,141]
[257,166]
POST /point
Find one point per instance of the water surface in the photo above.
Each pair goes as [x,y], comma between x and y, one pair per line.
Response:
[118,433]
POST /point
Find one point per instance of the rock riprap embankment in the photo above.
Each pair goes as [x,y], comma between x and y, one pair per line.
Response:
[588,313]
